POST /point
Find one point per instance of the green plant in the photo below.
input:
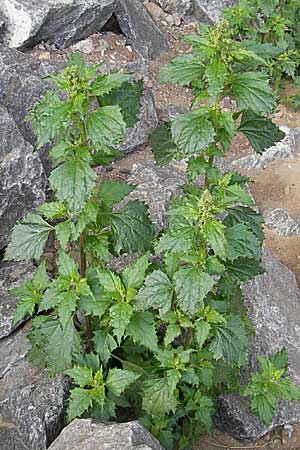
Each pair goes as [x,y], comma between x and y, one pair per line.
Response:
[269,385]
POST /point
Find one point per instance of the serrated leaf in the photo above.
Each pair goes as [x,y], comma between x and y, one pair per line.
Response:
[133,275]
[193,131]
[112,192]
[83,376]
[28,239]
[264,406]
[104,345]
[244,269]
[261,132]
[236,194]
[196,166]
[119,379]
[95,306]
[66,307]
[81,180]
[215,74]
[162,145]
[202,331]
[111,283]
[66,264]
[106,126]
[172,332]
[215,237]
[241,242]
[252,92]
[120,315]
[52,210]
[131,228]
[243,214]
[192,285]
[105,83]
[159,398]
[177,240]
[63,232]
[281,359]
[79,402]
[141,329]
[157,293]
[128,98]
[182,70]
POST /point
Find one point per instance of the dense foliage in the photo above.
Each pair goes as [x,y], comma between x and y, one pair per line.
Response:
[166,335]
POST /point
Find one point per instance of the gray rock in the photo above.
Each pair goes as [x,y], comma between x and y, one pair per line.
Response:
[59,22]
[273,305]
[11,438]
[155,186]
[143,34]
[184,7]
[2,27]
[285,149]
[22,178]
[139,134]
[210,11]
[29,399]
[280,221]
[86,434]
[11,276]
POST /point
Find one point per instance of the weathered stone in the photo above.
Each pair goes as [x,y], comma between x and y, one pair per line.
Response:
[155,186]
[59,22]
[139,134]
[11,276]
[280,221]
[86,434]
[285,149]
[11,438]
[184,7]
[2,27]
[273,305]
[143,34]
[22,178]
[29,399]
[210,11]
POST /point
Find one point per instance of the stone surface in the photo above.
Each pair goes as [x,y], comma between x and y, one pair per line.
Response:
[22,178]
[59,22]
[285,149]
[3,21]
[155,186]
[280,221]
[273,305]
[210,11]
[138,135]
[11,438]
[29,400]
[184,7]
[11,276]
[86,434]
[143,34]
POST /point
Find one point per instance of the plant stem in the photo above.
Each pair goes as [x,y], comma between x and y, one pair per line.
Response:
[187,338]
[88,324]
[210,163]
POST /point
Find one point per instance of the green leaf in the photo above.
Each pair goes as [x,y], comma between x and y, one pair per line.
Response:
[112,192]
[177,240]
[111,283]
[119,379]
[157,293]
[104,345]
[66,264]
[120,315]
[264,406]
[79,402]
[131,228]
[241,242]
[81,180]
[196,166]
[106,126]
[215,237]
[230,342]
[182,70]
[162,145]
[95,306]
[63,232]
[261,132]
[133,276]
[66,307]
[172,332]
[243,214]
[105,83]
[141,329]
[252,91]
[236,194]
[28,239]
[40,279]
[244,269]
[192,285]
[104,155]
[215,74]
[202,331]
[52,210]
[83,376]
[193,131]
[159,398]
[281,359]
[128,98]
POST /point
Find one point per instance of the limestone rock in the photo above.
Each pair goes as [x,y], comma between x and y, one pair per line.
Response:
[29,399]
[11,276]
[280,221]
[210,11]
[86,434]
[184,7]
[273,305]
[22,178]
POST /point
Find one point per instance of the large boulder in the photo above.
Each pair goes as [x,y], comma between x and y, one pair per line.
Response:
[86,434]
[273,305]
[31,402]
[22,178]
[184,7]
[210,11]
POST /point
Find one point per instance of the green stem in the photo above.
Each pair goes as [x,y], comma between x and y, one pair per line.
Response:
[210,163]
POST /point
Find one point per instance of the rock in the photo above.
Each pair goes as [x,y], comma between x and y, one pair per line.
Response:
[11,276]
[155,11]
[86,46]
[155,186]
[11,438]
[280,221]
[273,306]
[210,11]
[143,34]
[184,7]
[59,22]
[29,399]
[138,135]
[86,434]
[2,27]
[285,149]
[22,177]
